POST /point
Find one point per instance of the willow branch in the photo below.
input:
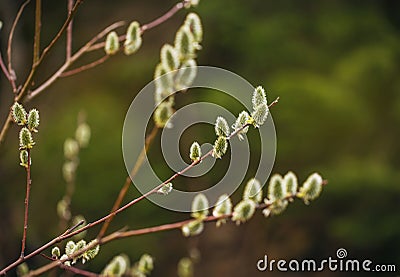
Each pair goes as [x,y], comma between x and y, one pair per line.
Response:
[38,26]
[149,230]
[40,249]
[28,189]
[9,45]
[85,67]
[158,21]
[164,17]
[68,47]
[126,206]
[46,51]
[70,61]
[7,74]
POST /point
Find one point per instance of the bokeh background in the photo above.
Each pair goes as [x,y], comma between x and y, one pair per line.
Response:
[334,64]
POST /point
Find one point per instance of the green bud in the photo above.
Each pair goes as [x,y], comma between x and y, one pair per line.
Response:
[23,157]
[112,44]
[243,211]
[70,248]
[63,209]
[275,208]
[195,151]
[55,252]
[186,74]
[259,97]
[260,114]
[221,127]
[163,81]
[165,189]
[146,264]
[191,3]
[220,147]
[78,247]
[193,228]
[222,208]
[92,251]
[22,270]
[117,266]
[33,120]
[290,180]
[82,135]
[241,120]
[68,170]
[75,220]
[185,43]
[25,139]
[311,188]
[253,191]
[18,114]
[162,115]
[200,206]
[185,267]
[277,188]
[194,23]
[71,148]
[169,57]
[133,39]
[64,259]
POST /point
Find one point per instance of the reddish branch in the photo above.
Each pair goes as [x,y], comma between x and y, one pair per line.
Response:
[28,189]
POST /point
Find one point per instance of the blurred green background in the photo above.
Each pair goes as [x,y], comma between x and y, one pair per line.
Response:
[334,64]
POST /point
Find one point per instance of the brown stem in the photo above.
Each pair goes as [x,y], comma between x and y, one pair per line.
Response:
[74,57]
[128,180]
[68,47]
[6,73]
[85,67]
[149,25]
[164,17]
[9,45]
[5,128]
[38,25]
[28,189]
[29,79]
[78,271]
[40,249]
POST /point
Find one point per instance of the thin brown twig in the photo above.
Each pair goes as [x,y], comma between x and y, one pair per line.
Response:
[177,7]
[128,180]
[71,14]
[68,47]
[9,45]
[74,57]
[78,271]
[6,73]
[38,26]
[28,189]
[164,17]
[71,268]
[85,67]
[28,80]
